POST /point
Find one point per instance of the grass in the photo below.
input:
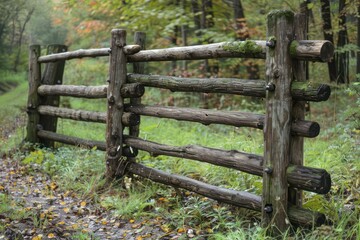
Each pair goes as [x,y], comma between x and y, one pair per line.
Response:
[81,170]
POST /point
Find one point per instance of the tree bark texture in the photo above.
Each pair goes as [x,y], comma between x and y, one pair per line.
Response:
[53,75]
[232,118]
[277,123]
[115,106]
[310,179]
[34,79]
[342,57]
[328,35]
[314,92]
[297,216]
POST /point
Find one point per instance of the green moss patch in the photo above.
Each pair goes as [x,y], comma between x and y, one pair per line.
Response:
[247,46]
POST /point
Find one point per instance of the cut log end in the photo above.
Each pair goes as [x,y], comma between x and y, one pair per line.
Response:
[314,130]
[327,51]
[324,92]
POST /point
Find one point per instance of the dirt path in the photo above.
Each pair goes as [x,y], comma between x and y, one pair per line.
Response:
[42,211]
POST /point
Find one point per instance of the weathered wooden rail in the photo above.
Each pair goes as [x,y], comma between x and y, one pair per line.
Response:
[284,125]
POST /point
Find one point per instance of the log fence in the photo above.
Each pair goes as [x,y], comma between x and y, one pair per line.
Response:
[283,124]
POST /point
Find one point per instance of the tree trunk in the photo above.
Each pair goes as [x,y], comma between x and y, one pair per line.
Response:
[328,35]
[358,43]
[342,57]
[242,31]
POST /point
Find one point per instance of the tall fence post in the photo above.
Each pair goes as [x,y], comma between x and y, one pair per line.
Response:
[115,164]
[53,75]
[33,97]
[139,67]
[298,108]
[277,121]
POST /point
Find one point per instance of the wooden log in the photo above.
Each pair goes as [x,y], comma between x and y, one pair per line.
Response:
[132,90]
[138,67]
[74,91]
[53,75]
[302,91]
[128,119]
[312,50]
[208,51]
[243,199]
[115,107]
[277,123]
[232,118]
[310,179]
[298,109]
[81,53]
[255,88]
[75,141]
[127,91]
[34,79]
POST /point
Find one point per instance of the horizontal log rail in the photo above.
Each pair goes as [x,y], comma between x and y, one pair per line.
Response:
[204,116]
[311,50]
[127,91]
[128,119]
[306,178]
[75,141]
[81,53]
[300,91]
[297,216]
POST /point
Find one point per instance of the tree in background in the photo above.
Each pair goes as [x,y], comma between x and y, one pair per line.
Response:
[342,57]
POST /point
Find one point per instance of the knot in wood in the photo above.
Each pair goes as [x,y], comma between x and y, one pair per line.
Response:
[276,73]
[111,99]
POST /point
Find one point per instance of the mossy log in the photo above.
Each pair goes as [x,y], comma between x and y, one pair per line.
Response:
[306,178]
[127,91]
[206,117]
[297,216]
[128,119]
[255,88]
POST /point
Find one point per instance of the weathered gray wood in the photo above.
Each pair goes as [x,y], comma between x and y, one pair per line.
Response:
[74,91]
[71,140]
[310,179]
[81,53]
[128,90]
[298,109]
[128,119]
[256,88]
[115,107]
[53,75]
[138,67]
[277,122]
[34,79]
[206,117]
[314,50]
[243,199]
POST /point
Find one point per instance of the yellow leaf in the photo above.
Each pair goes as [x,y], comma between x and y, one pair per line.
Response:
[83,204]
[132,221]
[62,203]
[66,210]
[165,228]
[51,235]
[181,230]
[61,223]
[42,215]
[104,222]
[38,237]
[139,238]
[1,188]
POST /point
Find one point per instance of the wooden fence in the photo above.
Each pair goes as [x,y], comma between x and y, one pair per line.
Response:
[283,124]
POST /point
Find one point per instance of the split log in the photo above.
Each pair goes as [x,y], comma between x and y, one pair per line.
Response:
[255,88]
[75,141]
[206,117]
[127,91]
[33,97]
[98,52]
[297,216]
[128,119]
[310,179]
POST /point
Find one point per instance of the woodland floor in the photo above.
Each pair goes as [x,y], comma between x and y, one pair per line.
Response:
[63,215]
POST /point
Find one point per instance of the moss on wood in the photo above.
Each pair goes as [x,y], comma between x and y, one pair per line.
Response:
[247,46]
[279,13]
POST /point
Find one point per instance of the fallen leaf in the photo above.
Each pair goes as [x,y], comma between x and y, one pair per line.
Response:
[66,210]
[181,230]
[131,221]
[139,238]
[38,237]
[51,235]
[83,204]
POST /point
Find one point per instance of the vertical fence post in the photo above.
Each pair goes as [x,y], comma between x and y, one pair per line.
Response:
[298,109]
[115,164]
[139,67]
[53,75]
[33,97]
[277,121]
